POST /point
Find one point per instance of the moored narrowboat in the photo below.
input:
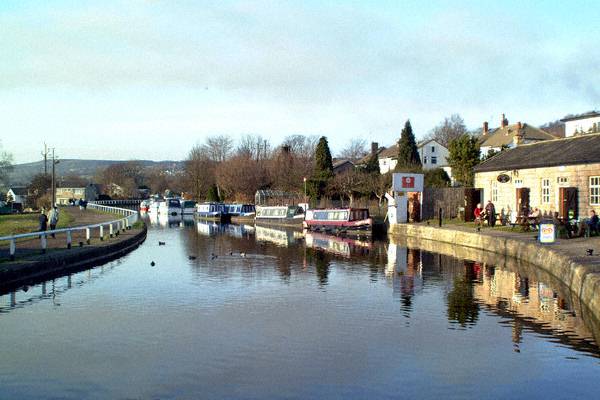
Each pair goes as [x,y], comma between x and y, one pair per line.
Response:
[284,215]
[212,211]
[188,207]
[240,210]
[171,207]
[339,220]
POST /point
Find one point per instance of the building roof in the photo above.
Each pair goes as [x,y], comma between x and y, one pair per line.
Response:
[504,136]
[19,191]
[589,114]
[583,149]
[339,163]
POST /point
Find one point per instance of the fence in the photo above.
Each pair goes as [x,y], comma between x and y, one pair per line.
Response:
[114,227]
[450,200]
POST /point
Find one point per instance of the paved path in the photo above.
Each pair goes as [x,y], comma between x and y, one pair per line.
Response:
[30,249]
[575,248]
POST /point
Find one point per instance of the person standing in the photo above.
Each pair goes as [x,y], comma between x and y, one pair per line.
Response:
[478,214]
[43,220]
[53,219]
[490,212]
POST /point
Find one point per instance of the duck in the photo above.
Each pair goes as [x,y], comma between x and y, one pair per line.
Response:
[242,254]
[152,264]
[191,257]
[161,243]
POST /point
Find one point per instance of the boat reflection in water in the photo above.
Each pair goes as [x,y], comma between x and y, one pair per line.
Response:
[238,231]
[208,228]
[280,237]
[340,246]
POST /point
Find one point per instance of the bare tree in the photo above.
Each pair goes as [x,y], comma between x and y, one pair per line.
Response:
[123,179]
[199,171]
[302,146]
[356,149]
[219,147]
[449,129]
[254,147]
[239,177]
[348,184]
[5,166]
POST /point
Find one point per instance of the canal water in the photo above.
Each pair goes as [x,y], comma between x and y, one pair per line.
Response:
[244,312]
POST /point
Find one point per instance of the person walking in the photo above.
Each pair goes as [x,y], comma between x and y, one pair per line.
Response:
[43,221]
[490,212]
[53,219]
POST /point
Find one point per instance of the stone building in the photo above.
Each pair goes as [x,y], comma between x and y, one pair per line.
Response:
[556,175]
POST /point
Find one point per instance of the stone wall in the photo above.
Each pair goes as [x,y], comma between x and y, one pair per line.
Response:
[583,280]
[563,176]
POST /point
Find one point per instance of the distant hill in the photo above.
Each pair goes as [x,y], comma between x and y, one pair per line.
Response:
[22,173]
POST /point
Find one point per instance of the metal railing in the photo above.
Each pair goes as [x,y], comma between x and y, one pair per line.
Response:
[114,227]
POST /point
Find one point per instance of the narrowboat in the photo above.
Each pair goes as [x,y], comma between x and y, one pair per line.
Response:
[210,210]
[171,207]
[282,215]
[339,220]
[188,207]
[240,210]
[144,206]
[154,206]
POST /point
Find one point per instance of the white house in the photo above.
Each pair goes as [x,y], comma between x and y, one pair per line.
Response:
[508,136]
[17,195]
[432,154]
[588,122]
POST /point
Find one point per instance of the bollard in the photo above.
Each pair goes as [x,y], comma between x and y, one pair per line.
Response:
[87,235]
[69,239]
[110,230]
[44,243]
[101,232]
[13,248]
[440,216]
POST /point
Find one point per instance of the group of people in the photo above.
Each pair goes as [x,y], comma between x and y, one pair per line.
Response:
[488,214]
[51,218]
[578,229]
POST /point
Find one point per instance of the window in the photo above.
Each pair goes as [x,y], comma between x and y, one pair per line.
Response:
[494,192]
[562,180]
[433,149]
[433,159]
[518,183]
[425,160]
[595,190]
[545,191]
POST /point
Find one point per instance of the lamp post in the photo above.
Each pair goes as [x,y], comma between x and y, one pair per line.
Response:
[304,189]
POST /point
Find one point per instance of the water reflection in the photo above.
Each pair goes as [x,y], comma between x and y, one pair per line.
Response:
[253,299]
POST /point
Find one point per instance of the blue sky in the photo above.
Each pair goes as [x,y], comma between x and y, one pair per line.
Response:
[149,79]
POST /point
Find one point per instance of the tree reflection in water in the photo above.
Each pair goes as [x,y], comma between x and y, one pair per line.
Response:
[462,307]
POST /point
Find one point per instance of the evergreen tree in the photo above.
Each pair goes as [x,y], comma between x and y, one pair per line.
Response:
[323,160]
[408,155]
[463,156]
[436,178]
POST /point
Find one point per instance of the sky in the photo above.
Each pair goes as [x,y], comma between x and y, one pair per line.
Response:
[150,79]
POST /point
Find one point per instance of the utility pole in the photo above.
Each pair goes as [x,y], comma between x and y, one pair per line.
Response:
[45,155]
[54,162]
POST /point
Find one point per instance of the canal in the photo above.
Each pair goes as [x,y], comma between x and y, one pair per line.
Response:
[236,311]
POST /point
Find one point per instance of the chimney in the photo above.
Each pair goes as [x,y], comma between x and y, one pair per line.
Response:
[503,121]
[517,139]
[486,129]
[374,148]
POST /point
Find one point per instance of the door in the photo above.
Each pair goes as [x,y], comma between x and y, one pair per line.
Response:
[569,202]
[523,201]
[472,197]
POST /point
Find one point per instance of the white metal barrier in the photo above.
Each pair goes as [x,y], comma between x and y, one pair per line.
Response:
[121,224]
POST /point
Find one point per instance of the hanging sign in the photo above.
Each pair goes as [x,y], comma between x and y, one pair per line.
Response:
[547,233]
[503,178]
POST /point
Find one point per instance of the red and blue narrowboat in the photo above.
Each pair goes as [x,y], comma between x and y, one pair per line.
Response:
[339,220]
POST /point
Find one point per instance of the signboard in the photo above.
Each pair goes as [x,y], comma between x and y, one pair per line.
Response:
[503,178]
[547,233]
[402,182]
